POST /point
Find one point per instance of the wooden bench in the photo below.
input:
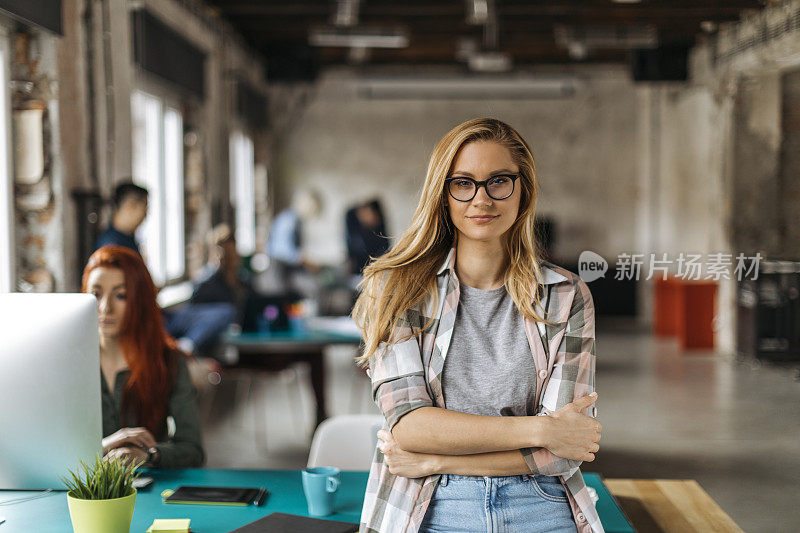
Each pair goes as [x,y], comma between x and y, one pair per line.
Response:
[669,505]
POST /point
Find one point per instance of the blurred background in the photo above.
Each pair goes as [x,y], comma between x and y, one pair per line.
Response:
[658,127]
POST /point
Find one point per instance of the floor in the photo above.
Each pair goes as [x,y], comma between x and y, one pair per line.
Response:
[732,425]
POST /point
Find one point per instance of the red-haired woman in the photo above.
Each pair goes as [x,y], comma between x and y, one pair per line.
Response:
[145,377]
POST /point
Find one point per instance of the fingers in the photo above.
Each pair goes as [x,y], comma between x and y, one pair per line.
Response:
[385,441]
[582,403]
[588,458]
[142,437]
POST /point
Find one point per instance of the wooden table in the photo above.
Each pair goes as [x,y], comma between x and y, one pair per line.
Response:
[667,505]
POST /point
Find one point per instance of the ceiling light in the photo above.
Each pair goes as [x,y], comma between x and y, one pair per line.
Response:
[577,50]
[607,37]
[708,26]
[489,62]
[358,37]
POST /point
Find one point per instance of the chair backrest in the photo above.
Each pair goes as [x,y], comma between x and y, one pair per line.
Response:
[346,442]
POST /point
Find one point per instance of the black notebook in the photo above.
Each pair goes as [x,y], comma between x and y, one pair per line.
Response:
[290,523]
[216,495]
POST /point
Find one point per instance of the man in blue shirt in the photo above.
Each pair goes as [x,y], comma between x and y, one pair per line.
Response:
[130,210]
[285,243]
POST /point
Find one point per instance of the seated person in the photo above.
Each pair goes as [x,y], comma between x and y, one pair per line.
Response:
[218,298]
[145,378]
[130,210]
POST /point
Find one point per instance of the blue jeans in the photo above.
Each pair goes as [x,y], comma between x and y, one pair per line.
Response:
[203,323]
[504,504]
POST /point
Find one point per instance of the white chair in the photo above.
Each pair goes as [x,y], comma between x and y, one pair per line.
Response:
[346,442]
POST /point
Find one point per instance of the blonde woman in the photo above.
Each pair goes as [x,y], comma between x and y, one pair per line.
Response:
[468,337]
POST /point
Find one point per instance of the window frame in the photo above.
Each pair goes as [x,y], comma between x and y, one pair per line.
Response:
[164,198]
[242,186]
[7,232]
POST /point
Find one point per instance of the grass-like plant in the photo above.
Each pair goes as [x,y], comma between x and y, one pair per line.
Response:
[103,480]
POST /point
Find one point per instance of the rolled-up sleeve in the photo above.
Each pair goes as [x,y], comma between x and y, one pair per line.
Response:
[398,376]
[572,378]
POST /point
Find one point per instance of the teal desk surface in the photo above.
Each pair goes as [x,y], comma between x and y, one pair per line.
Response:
[50,514]
[304,336]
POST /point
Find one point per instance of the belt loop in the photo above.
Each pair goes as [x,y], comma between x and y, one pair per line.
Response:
[443,480]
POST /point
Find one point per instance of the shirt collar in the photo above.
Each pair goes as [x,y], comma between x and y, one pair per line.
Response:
[550,276]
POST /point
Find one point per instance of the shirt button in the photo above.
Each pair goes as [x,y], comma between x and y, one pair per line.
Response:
[581,517]
[542,373]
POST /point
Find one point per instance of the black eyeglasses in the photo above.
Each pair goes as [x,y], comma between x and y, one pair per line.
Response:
[497,187]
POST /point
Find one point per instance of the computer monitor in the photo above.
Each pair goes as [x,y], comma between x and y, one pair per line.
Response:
[50,410]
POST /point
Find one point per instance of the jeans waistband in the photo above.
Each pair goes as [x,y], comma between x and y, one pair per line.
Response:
[444,479]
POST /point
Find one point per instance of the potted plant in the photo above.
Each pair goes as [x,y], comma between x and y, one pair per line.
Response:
[101,496]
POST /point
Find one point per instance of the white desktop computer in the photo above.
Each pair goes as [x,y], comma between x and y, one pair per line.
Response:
[50,410]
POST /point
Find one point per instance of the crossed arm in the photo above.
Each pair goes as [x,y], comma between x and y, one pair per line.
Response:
[433,442]
[427,440]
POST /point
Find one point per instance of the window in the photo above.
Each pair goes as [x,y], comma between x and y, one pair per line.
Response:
[6,188]
[242,182]
[158,166]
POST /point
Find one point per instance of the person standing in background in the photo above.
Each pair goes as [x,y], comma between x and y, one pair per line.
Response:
[366,234]
[285,243]
[130,210]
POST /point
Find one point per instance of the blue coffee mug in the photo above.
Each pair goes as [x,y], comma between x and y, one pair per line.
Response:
[320,485]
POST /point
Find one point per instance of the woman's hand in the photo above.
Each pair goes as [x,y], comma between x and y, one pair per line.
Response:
[573,435]
[402,463]
[128,454]
[138,437]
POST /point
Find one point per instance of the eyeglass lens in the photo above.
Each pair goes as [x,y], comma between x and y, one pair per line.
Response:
[499,188]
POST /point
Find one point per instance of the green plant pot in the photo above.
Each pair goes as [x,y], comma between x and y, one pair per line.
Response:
[101,516]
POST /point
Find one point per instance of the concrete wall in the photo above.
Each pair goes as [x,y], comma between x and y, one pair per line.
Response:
[353,148]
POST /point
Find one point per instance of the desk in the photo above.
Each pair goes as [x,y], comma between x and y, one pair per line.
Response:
[276,350]
[669,505]
[49,514]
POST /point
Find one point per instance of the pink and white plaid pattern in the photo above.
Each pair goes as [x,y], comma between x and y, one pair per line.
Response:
[407,375]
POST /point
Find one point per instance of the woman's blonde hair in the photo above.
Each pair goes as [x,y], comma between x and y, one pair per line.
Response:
[406,274]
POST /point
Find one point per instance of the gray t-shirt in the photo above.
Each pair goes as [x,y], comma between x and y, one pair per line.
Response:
[489,369]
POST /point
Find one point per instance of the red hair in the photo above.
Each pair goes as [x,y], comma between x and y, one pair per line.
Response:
[147,347]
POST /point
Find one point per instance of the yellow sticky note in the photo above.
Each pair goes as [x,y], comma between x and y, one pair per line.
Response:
[170,525]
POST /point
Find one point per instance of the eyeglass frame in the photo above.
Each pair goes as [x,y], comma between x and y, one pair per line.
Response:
[484,184]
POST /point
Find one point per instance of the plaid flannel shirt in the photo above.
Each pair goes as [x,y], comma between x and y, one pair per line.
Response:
[407,375]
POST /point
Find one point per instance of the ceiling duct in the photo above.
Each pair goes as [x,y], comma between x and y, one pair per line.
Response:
[346,13]
[467,87]
[477,12]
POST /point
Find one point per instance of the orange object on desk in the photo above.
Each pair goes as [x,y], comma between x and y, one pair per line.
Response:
[685,308]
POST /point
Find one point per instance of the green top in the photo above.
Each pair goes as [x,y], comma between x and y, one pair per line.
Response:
[184,449]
